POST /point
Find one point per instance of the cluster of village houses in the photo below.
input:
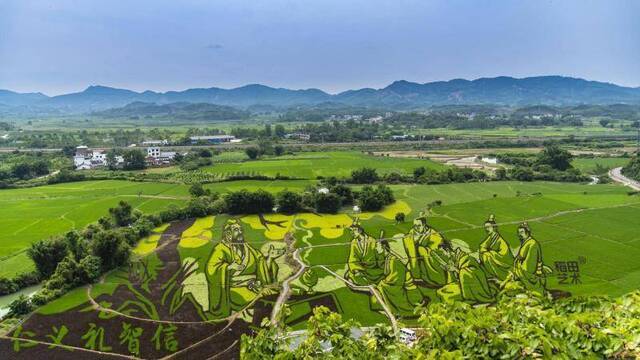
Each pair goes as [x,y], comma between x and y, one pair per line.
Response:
[86,158]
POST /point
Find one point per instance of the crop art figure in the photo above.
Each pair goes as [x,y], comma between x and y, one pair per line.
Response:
[495,256]
[529,268]
[397,287]
[470,281]
[365,262]
[237,273]
[426,252]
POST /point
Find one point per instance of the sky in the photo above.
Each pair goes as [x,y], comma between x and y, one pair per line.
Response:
[64,46]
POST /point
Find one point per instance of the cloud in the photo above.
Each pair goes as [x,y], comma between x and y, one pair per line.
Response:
[214,46]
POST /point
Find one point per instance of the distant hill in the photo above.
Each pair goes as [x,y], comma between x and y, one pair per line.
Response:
[507,91]
[181,110]
[541,90]
[10,98]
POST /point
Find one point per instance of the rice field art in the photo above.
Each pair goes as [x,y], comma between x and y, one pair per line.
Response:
[197,285]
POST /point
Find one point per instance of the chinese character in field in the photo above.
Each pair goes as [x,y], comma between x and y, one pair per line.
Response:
[572,266]
[131,336]
[58,335]
[170,342]
[575,278]
[561,266]
[95,338]
[18,344]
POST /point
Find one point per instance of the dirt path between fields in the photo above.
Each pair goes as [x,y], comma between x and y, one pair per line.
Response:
[616,175]
[373,291]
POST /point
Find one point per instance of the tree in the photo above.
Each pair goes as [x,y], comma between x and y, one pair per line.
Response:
[278,150]
[632,169]
[555,157]
[40,168]
[252,152]
[111,160]
[46,254]
[134,160]
[122,214]
[90,268]
[419,172]
[501,173]
[400,216]
[369,199]
[112,249]
[21,171]
[205,153]
[385,194]
[68,150]
[364,176]
[605,122]
[260,202]
[289,202]
[280,131]
[521,173]
[345,193]
[245,202]
[21,306]
[327,203]
[196,190]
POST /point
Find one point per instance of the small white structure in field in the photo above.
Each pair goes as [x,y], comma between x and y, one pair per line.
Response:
[407,336]
[323,190]
[356,208]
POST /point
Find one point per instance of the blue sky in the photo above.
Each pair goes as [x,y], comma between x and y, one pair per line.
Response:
[65,45]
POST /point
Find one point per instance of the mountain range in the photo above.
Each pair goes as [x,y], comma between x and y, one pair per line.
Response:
[509,91]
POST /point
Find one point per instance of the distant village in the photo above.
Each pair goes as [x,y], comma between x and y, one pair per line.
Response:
[87,159]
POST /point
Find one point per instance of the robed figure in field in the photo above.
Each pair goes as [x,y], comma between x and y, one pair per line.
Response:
[529,269]
[365,262]
[237,272]
[495,255]
[470,281]
[426,253]
[397,287]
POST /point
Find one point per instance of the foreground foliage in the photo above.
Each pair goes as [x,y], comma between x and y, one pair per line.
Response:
[513,328]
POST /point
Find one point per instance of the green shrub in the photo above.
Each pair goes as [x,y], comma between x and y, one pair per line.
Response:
[46,254]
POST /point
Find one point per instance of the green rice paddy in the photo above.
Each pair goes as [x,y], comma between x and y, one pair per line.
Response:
[310,165]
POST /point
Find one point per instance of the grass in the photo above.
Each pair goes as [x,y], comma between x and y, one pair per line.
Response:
[310,165]
[28,215]
[589,165]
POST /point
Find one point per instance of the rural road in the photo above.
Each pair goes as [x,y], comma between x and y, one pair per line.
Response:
[616,175]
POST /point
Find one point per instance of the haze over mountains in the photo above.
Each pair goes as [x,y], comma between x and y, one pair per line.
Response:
[546,90]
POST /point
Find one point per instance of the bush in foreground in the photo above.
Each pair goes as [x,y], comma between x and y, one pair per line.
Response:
[519,327]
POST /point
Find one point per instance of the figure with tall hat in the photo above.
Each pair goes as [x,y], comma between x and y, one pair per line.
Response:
[426,251]
[529,269]
[237,272]
[365,263]
[495,255]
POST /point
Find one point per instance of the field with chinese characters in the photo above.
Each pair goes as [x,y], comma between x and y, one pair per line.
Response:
[158,307]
